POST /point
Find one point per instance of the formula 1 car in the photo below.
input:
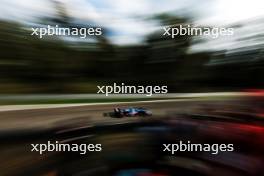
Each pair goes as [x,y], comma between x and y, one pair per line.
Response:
[131,112]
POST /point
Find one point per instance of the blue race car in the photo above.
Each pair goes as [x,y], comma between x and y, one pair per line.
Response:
[131,112]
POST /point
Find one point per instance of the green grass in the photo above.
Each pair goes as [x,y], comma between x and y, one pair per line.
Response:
[71,101]
[23,101]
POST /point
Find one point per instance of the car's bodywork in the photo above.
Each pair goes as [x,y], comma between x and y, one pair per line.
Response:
[131,112]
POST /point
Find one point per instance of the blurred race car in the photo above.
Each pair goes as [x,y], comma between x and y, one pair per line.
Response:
[131,112]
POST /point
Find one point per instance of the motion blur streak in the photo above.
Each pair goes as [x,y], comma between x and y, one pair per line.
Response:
[44,82]
[229,120]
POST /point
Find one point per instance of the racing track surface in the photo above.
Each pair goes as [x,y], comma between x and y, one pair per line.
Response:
[41,119]
[14,149]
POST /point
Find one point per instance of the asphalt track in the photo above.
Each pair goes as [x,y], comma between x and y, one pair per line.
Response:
[14,152]
[86,115]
